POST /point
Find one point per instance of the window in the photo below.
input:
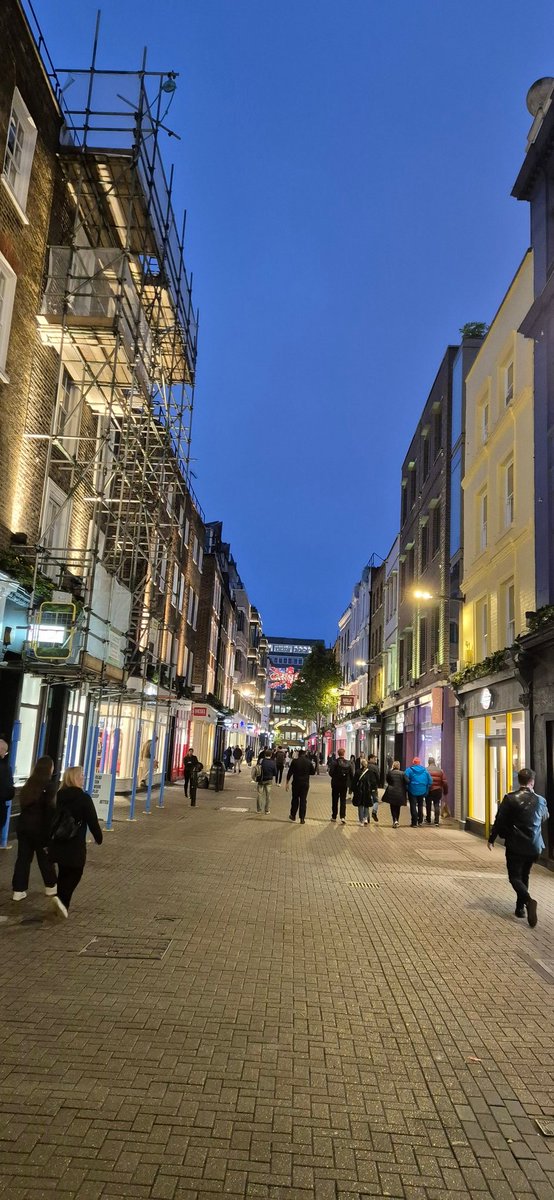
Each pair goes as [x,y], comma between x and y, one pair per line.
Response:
[434,637]
[8,280]
[217,595]
[195,549]
[422,644]
[200,559]
[485,421]
[483,520]
[413,486]
[192,609]
[482,628]
[404,505]
[426,456]
[175,586]
[19,152]
[67,413]
[437,431]
[509,383]
[510,612]
[509,494]
[186,533]
[456,502]
[424,545]
[55,528]
[436,530]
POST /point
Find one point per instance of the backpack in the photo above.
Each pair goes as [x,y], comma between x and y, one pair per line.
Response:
[256,772]
[64,827]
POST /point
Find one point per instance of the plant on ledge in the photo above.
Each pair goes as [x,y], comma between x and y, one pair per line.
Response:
[488,666]
[537,620]
[21,569]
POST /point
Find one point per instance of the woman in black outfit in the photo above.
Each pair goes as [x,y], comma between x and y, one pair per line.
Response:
[395,793]
[71,855]
[37,801]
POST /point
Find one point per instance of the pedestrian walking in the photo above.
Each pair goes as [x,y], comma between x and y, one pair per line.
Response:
[438,789]
[419,783]
[266,773]
[7,789]
[341,783]
[519,822]
[374,784]
[37,804]
[227,758]
[75,814]
[331,762]
[298,775]
[395,792]
[192,766]
[361,792]
[237,756]
[280,764]
[249,755]
[144,767]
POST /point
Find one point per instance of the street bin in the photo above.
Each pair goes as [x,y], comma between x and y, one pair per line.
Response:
[217,776]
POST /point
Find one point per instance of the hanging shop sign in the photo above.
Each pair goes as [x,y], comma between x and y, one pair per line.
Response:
[347,701]
[485,699]
[199,710]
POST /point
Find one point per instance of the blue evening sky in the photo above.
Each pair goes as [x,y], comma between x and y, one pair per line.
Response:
[347,170]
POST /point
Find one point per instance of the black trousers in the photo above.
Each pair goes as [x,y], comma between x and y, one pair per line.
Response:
[416,809]
[299,799]
[519,870]
[338,795]
[395,811]
[68,878]
[280,770]
[435,802]
[27,847]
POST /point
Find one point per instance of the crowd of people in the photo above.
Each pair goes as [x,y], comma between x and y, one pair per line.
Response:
[422,788]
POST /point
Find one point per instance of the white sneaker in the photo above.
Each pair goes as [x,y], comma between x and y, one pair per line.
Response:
[51,891]
[19,896]
[59,909]
[365,822]
[343,820]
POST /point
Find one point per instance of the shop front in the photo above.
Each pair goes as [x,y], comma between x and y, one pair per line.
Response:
[204,721]
[496,745]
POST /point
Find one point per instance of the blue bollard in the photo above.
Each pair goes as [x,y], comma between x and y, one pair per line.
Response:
[89,781]
[148,807]
[73,749]
[164,769]
[68,745]
[88,747]
[135,772]
[115,751]
[41,740]
[12,755]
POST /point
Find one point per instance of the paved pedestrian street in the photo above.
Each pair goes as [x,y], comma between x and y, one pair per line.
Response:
[245,1007]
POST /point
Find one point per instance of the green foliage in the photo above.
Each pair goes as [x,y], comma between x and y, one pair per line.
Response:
[543,616]
[488,666]
[315,692]
[474,329]
[21,568]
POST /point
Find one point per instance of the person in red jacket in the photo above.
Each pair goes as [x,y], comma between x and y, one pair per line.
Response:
[438,789]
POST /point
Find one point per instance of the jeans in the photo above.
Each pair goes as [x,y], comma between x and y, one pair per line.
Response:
[435,801]
[68,878]
[299,800]
[519,870]
[266,789]
[27,847]
[416,809]
[338,794]
[375,806]
[363,813]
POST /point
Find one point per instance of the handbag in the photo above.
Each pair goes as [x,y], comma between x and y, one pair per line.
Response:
[64,827]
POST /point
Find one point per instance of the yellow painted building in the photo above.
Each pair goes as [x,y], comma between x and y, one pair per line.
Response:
[499,553]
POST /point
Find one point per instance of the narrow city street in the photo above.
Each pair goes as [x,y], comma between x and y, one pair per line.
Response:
[245,1007]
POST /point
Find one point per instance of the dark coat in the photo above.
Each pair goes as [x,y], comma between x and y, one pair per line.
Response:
[341,773]
[300,770]
[395,792]
[81,807]
[35,818]
[362,788]
[268,769]
[439,786]
[519,821]
[191,764]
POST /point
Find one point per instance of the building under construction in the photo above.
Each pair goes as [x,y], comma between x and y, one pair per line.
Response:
[101,538]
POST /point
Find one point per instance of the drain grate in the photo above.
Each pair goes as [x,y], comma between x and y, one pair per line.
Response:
[357,883]
[122,947]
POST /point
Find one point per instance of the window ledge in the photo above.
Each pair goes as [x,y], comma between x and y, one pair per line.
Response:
[3,377]
[19,210]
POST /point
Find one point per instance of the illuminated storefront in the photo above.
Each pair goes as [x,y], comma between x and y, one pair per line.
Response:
[496,746]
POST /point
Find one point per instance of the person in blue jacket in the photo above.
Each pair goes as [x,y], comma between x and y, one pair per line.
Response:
[419,783]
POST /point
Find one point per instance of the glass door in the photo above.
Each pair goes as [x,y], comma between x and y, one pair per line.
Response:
[497,777]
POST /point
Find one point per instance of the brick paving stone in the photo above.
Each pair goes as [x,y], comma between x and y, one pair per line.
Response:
[300,1038]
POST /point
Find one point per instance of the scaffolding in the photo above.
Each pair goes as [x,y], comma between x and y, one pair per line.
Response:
[117,311]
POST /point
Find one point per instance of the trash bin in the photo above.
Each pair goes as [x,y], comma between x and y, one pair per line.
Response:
[217,776]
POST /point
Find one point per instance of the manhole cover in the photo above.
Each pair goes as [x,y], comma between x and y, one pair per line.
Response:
[121,947]
[359,883]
